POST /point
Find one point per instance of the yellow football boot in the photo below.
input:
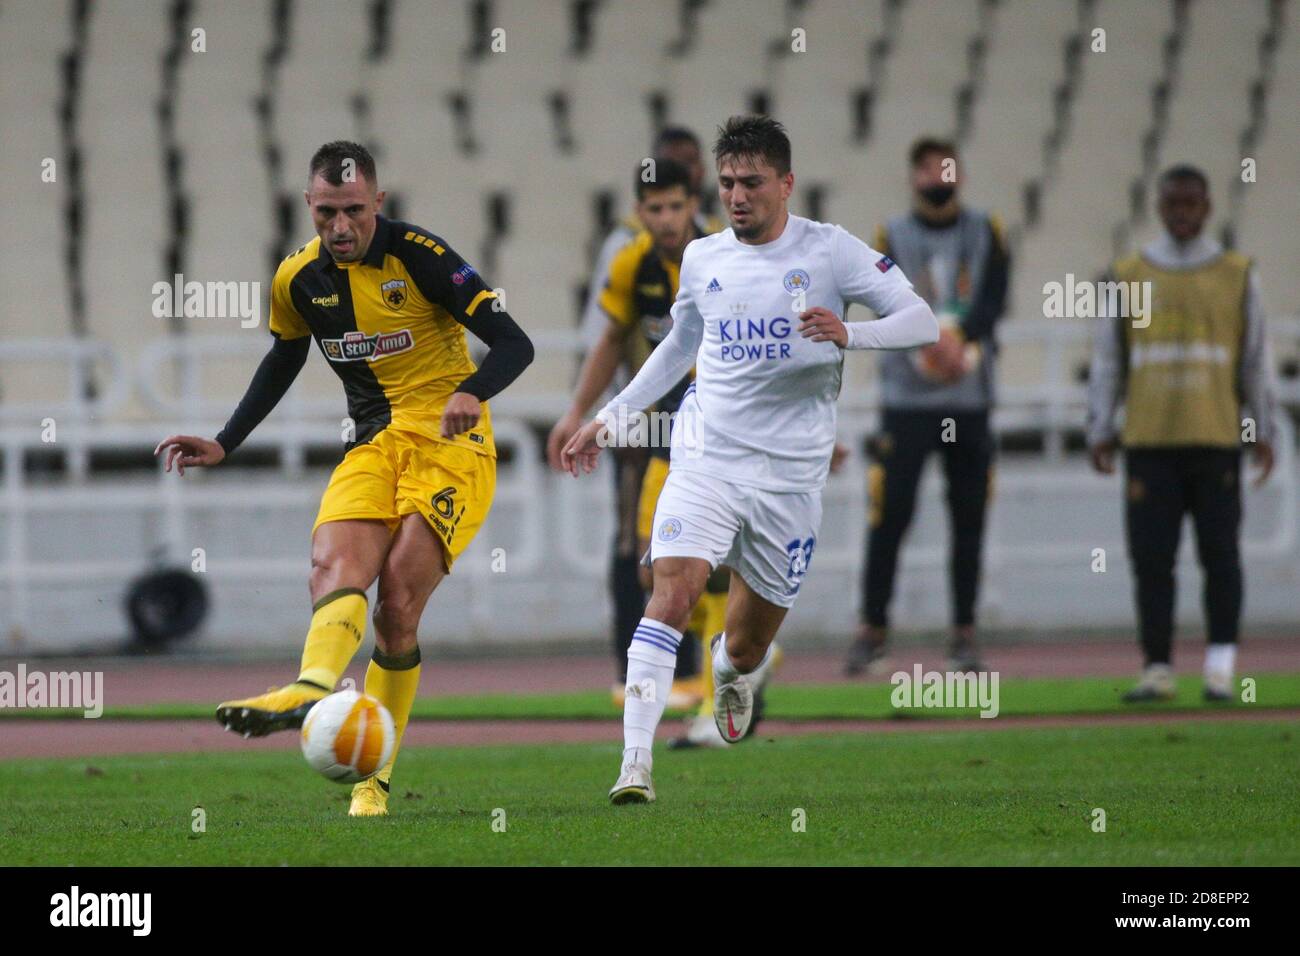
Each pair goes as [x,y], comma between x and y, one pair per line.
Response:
[283,708]
[369,799]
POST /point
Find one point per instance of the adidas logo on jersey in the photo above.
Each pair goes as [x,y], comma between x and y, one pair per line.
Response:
[714,286]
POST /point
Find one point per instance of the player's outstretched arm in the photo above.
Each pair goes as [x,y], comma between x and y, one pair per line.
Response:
[597,372]
[866,276]
[191,450]
[584,448]
[910,323]
[666,366]
[510,351]
[272,379]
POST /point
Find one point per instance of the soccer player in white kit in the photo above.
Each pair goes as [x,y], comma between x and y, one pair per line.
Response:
[759,314]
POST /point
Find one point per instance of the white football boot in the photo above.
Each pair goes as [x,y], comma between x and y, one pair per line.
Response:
[1218,685]
[733,703]
[702,731]
[1156,683]
[634,785]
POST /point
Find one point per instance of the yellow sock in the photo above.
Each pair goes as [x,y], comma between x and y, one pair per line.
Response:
[338,623]
[715,620]
[394,680]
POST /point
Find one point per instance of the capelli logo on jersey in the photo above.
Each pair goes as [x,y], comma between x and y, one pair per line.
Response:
[357,346]
[326,301]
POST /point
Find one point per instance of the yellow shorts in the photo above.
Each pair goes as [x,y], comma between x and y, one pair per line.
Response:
[656,473]
[398,473]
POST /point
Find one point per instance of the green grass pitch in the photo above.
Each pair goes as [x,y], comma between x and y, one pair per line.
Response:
[1018,697]
[1197,793]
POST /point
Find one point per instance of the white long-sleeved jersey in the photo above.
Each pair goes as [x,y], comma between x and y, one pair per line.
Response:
[762,409]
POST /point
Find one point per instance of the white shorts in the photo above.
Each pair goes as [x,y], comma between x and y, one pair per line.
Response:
[767,537]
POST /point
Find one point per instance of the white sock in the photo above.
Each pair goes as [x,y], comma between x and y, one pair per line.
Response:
[651,659]
[724,672]
[724,669]
[1220,659]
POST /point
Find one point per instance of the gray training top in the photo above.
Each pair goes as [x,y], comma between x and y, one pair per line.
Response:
[961,268]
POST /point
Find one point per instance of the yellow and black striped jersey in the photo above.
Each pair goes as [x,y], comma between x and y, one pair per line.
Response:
[392,327]
[638,298]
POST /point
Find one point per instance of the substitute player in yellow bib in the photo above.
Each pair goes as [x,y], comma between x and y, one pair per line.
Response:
[387,304]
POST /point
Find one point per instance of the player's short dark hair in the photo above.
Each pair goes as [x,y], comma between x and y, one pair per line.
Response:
[1184,172]
[672,135]
[329,159]
[754,137]
[930,145]
[667,174]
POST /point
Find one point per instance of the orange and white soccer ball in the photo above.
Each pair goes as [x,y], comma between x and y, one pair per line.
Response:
[348,736]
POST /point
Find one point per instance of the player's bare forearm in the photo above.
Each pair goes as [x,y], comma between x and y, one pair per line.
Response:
[597,371]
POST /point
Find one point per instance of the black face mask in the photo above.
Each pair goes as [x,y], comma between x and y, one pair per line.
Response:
[937,195]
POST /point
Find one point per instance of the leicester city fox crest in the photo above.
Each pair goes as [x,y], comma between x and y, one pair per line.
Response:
[796,281]
[670,529]
[800,554]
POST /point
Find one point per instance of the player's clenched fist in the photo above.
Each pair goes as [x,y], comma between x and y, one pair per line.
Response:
[584,448]
[183,450]
[461,414]
[823,325]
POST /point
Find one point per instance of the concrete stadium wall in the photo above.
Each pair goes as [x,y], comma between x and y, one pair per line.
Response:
[549,543]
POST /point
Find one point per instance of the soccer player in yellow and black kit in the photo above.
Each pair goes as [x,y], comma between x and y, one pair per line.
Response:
[388,304]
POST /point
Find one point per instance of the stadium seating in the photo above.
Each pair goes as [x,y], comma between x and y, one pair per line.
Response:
[521,159]
[553,122]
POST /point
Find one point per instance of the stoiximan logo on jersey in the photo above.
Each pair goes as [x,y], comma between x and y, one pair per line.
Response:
[357,346]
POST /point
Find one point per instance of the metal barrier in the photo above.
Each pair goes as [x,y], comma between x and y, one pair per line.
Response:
[559,528]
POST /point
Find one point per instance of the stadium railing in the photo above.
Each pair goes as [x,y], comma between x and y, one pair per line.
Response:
[553,525]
